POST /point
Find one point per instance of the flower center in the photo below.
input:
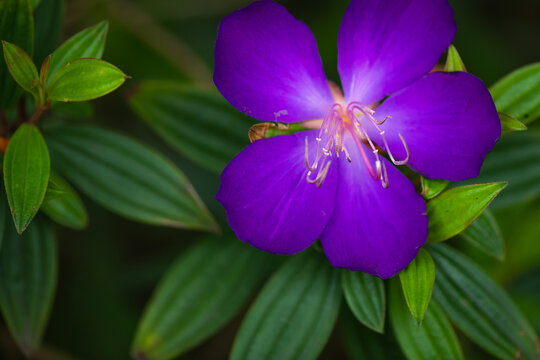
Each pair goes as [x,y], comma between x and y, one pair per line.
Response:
[339,121]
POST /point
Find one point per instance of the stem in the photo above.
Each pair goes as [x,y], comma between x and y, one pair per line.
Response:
[39,111]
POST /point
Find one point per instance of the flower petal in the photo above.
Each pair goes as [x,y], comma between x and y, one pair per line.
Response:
[373,229]
[385,45]
[267,65]
[268,201]
[449,122]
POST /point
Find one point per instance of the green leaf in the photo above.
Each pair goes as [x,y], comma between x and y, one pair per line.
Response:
[360,343]
[454,210]
[366,298]
[17,27]
[434,339]
[196,297]
[48,19]
[26,174]
[65,206]
[200,125]
[515,159]
[55,187]
[485,234]
[510,124]
[432,187]
[417,281]
[294,314]
[518,93]
[28,273]
[480,308]
[21,67]
[127,177]
[88,43]
[453,60]
[84,79]
[44,70]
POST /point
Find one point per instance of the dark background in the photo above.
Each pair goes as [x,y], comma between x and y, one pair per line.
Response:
[108,271]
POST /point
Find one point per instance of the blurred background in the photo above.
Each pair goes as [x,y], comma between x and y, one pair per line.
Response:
[108,271]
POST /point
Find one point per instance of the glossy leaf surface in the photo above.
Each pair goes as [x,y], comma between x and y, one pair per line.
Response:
[434,339]
[518,93]
[366,298]
[186,309]
[417,281]
[21,67]
[28,273]
[200,125]
[454,210]
[480,307]
[485,234]
[294,313]
[26,174]
[88,43]
[127,177]
[84,79]
[515,160]
[63,205]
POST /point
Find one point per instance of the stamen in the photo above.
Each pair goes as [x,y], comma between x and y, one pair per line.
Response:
[368,112]
[330,140]
[391,156]
[384,178]
[307,159]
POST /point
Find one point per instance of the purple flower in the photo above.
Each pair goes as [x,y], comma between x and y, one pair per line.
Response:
[281,194]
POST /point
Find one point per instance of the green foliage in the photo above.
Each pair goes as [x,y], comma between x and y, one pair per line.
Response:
[294,314]
[518,93]
[454,210]
[21,67]
[28,273]
[361,343]
[47,23]
[417,281]
[187,308]
[127,177]
[63,205]
[26,174]
[83,80]
[432,187]
[17,27]
[515,159]
[510,124]
[366,298]
[434,339]
[200,125]
[453,60]
[485,234]
[480,308]
[88,43]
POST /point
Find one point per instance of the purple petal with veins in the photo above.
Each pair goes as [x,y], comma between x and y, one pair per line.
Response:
[339,182]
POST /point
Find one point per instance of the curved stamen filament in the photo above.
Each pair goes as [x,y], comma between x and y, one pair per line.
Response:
[397,162]
[368,113]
